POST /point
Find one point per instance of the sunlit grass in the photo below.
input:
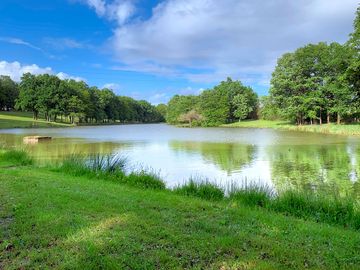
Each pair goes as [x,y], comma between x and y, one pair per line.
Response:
[343,129]
[24,120]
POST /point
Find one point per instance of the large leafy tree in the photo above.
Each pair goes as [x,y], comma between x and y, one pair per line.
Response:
[8,93]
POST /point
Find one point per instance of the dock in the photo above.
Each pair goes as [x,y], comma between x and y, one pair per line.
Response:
[35,139]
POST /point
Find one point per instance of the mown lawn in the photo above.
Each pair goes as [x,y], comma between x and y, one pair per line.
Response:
[52,220]
[24,120]
[343,129]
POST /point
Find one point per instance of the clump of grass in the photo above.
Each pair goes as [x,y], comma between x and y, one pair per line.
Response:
[311,205]
[110,167]
[319,207]
[145,179]
[16,157]
[94,165]
[252,195]
[203,189]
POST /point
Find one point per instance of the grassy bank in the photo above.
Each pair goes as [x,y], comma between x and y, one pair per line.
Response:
[351,129]
[82,217]
[25,120]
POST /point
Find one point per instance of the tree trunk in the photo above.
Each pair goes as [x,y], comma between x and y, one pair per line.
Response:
[320,118]
[328,118]
[338,119]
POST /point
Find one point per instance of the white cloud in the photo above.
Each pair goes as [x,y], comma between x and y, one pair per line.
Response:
[15,70]
[241,39]
[98,6]
[19,41]
[65,76]
[113,86]
[118,10]
[63,43]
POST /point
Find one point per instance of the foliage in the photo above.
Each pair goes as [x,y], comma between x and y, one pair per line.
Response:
[189,117]
[319,82]
[76,102]
[8,93]
[228,102]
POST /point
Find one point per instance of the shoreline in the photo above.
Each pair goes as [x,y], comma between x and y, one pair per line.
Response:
[66,210]
[331,129]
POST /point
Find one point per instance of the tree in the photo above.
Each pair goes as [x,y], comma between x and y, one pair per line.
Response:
[8,93]
[28,96]
[162,110]
[190,117]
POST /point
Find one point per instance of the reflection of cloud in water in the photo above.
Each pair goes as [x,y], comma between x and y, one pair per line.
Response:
[222,155]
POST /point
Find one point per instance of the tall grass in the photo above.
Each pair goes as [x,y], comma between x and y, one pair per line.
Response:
[311,205]
[110,167]
[202,189]
[16,157]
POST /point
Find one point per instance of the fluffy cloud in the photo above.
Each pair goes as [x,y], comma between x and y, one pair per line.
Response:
[15,70]
[208,40]
[65,76]
[118,10]
[113,86]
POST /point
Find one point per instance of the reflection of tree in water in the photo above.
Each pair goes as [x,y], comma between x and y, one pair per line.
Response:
[59,148]
[318,167]
[227,156]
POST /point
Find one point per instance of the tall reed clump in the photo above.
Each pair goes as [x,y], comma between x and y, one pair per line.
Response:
[16,157]
[311,205]
[110,167]
[319,207]
[145,179]
[202,189]
[252,195]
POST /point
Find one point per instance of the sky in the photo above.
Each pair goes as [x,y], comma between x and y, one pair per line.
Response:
[152,50]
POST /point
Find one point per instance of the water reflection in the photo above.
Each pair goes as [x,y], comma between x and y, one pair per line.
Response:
[275,158]
[229,157]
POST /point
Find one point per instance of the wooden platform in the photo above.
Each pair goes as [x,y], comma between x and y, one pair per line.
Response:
[35,139]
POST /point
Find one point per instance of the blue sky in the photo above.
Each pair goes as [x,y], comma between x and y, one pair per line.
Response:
[152,50]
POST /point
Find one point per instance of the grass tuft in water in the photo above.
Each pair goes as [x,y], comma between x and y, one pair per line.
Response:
[16,157]
[110,167]
[145,179]
[204,190]
[252,195]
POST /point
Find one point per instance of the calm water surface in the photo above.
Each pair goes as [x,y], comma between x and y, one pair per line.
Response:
[279,159]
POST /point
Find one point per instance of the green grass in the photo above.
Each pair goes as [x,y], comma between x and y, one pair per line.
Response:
[308,205]
[203,189]
[53,219]
[24,120]
[343,129]
[10,158]
[109,167]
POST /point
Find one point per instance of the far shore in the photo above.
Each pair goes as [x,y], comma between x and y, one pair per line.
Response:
[342,129]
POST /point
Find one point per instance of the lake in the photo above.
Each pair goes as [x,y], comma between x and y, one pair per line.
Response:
[279,159]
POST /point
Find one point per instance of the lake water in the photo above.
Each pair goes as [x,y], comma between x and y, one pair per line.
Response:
[279,159]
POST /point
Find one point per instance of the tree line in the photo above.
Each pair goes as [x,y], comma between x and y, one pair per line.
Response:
[73,101]
[317,83]
[227,102]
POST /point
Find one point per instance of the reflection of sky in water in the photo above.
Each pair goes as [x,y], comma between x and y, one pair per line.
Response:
[221,155]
